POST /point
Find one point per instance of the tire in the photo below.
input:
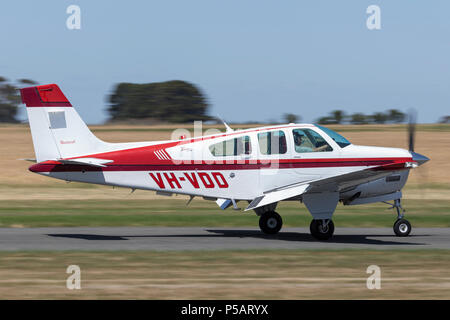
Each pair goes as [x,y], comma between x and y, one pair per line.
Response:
[270,222]
[319,232]
[402,228]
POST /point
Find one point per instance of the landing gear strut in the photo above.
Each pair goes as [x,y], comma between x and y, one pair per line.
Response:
[402,227]
[322,229]
[270,222]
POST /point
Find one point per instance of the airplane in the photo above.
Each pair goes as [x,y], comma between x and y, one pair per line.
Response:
[308,163]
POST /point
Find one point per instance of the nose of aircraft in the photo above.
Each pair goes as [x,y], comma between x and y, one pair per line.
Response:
[419,158]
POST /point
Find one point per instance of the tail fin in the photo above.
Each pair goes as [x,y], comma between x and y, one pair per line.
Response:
[58,131]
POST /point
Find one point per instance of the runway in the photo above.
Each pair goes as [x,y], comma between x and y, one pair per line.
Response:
[179,239]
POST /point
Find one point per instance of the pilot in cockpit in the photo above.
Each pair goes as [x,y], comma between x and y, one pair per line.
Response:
[303,143]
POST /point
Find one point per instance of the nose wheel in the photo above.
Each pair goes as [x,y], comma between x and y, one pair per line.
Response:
[402,227]
[270,222]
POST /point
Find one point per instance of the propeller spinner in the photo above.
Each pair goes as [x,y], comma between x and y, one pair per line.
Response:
[417,157]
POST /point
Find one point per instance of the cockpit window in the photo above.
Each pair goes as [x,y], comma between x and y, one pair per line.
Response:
[340,140]
[307,140]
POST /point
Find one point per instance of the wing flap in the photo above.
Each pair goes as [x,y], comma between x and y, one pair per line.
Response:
[277,195]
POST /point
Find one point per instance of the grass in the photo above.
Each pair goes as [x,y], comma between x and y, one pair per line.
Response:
[249,274]
[175,213]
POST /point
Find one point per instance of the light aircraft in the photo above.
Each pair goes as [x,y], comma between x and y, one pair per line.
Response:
[261,166]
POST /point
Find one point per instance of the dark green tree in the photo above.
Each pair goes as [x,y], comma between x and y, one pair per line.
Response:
[338,116]
[9,100]
[291,118]
[395,116]
[444,119]
[325,120]
[334,117]
[358,118]
[171,101]
[27,81]
[379,117]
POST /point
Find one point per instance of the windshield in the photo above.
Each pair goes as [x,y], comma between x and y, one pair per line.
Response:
[340,140]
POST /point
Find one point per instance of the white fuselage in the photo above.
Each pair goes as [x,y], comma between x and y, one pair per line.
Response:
[188,167]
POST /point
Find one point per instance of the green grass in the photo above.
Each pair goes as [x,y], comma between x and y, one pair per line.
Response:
[174,212]
[227,274]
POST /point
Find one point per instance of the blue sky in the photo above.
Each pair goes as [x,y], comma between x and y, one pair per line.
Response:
[254,60]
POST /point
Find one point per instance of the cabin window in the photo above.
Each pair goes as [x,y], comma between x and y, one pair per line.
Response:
[272,142]
[231,147]
[307,140]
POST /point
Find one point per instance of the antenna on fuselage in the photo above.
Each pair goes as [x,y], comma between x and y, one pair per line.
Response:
[229,129]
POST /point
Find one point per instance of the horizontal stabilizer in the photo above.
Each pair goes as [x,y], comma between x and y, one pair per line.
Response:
[29,160]
[95,162]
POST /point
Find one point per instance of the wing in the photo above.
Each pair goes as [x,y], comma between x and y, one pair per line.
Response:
[333,183]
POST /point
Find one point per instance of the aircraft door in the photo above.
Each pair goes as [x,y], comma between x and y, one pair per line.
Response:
[272,154]
[307,146]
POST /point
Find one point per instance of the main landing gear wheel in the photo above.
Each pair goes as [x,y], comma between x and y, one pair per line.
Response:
[322,229]
[270,222]
[402,228]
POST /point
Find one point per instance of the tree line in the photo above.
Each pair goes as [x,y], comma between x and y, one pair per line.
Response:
[10,98]
[340,117]
[176,102]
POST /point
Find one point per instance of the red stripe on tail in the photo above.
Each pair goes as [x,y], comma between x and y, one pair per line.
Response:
[48,95]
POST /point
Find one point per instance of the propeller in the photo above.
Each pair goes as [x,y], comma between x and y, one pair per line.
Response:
[417,157]
[412,116]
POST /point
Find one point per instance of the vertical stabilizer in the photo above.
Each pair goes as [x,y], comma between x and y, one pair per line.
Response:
[57,129]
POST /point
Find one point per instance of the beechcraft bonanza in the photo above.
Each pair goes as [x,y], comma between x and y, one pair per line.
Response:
[262,166]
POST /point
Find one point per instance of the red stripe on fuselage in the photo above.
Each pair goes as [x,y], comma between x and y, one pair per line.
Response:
[389,163]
